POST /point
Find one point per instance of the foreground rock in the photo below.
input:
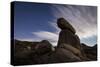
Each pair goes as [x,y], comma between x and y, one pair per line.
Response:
[64,53]
[43,47]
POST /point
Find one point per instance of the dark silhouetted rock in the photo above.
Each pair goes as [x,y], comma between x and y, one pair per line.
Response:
[43,47]
[68,40]
[64,24]
[90,52]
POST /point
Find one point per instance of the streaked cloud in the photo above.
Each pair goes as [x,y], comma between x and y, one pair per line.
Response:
[46,35]
[83,18]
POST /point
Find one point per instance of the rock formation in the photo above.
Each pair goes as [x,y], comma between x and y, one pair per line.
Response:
[68,41]
[67,34]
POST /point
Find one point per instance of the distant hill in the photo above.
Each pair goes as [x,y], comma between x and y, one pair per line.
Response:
[91,52]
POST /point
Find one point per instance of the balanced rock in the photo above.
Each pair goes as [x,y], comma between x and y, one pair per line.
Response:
[68,41]
[43,47]
[64,24]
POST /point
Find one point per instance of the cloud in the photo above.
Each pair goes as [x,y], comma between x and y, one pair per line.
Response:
[52,37]
[83,18]
[29,39]
[53,24]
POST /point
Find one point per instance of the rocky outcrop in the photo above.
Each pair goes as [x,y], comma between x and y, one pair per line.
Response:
[68,40]
[31,52]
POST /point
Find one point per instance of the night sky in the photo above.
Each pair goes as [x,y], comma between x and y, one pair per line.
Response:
[36,21]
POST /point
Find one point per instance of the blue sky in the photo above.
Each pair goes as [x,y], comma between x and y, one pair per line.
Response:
[36,21]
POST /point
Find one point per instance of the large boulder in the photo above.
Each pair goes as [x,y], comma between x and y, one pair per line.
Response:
[43,47]
[64,24]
